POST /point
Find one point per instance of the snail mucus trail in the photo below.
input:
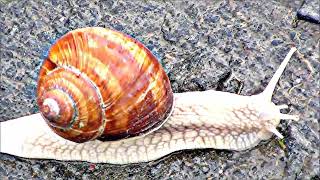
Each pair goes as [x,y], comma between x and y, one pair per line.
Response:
[105,98]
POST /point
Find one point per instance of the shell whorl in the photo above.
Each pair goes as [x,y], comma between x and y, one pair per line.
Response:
[100,83]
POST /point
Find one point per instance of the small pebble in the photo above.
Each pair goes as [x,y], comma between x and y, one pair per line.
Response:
[276,42]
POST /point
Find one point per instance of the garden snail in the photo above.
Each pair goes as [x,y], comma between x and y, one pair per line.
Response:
[137,117]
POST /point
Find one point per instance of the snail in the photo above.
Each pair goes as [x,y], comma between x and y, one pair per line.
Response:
[104,97]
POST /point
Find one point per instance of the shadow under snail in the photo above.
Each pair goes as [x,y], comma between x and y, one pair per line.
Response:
[107,99]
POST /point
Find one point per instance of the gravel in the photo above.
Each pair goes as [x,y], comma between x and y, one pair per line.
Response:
[310,11]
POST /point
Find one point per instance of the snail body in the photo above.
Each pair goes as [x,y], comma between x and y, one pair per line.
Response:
[137,117]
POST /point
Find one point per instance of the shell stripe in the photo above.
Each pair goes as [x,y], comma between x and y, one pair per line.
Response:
[95,70]
[143,58]
[103,55]
[76,112]
[97,91]
[46,68]
[138,54]
[55,83]
[111,89]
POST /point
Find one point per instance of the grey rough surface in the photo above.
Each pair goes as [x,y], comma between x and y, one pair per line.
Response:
[310,11]
[200,44]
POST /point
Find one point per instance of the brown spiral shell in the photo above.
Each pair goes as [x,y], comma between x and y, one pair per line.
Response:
[100,83]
